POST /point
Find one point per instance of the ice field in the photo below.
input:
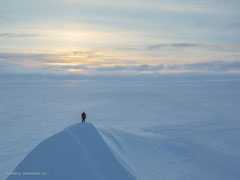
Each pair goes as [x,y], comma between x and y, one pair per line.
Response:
[168,130]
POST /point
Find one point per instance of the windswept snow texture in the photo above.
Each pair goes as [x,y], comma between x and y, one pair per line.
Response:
[175,129]
[76,153]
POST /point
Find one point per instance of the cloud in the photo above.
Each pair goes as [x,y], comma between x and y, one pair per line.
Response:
[111,68]
[86,54]
[146,67]
[173,45]
[3,17]
[22,56]
[215,66]
[204,67]
[133,68]
[235,24]
[52,63]
[25,62]
[14,35]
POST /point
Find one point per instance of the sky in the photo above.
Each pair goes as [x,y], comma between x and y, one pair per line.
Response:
[119,37]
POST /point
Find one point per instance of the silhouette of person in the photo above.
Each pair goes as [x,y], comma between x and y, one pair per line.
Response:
[83,117]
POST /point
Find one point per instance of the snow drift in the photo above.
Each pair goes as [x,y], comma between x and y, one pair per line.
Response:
[76,153]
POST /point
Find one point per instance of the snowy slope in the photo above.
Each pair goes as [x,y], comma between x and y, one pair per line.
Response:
[167,131]
[78,152]
[197,152]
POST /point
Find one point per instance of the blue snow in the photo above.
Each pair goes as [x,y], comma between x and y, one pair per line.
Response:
[76,153]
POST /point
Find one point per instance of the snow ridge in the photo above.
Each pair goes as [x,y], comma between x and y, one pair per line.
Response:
[76,153]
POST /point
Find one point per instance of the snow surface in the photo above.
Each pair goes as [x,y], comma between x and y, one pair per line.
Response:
[76,153]
[175,129]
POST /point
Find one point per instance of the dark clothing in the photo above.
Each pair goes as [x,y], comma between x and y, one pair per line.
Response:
[83,117]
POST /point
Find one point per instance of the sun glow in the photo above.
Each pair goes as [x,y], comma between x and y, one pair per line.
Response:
[75,70]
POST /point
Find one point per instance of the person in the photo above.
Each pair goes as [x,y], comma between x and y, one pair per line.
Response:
[83,117]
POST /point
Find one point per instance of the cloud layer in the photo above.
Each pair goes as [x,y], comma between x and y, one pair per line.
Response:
[92,62]
[174,45]
[14,35]
[200,67]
